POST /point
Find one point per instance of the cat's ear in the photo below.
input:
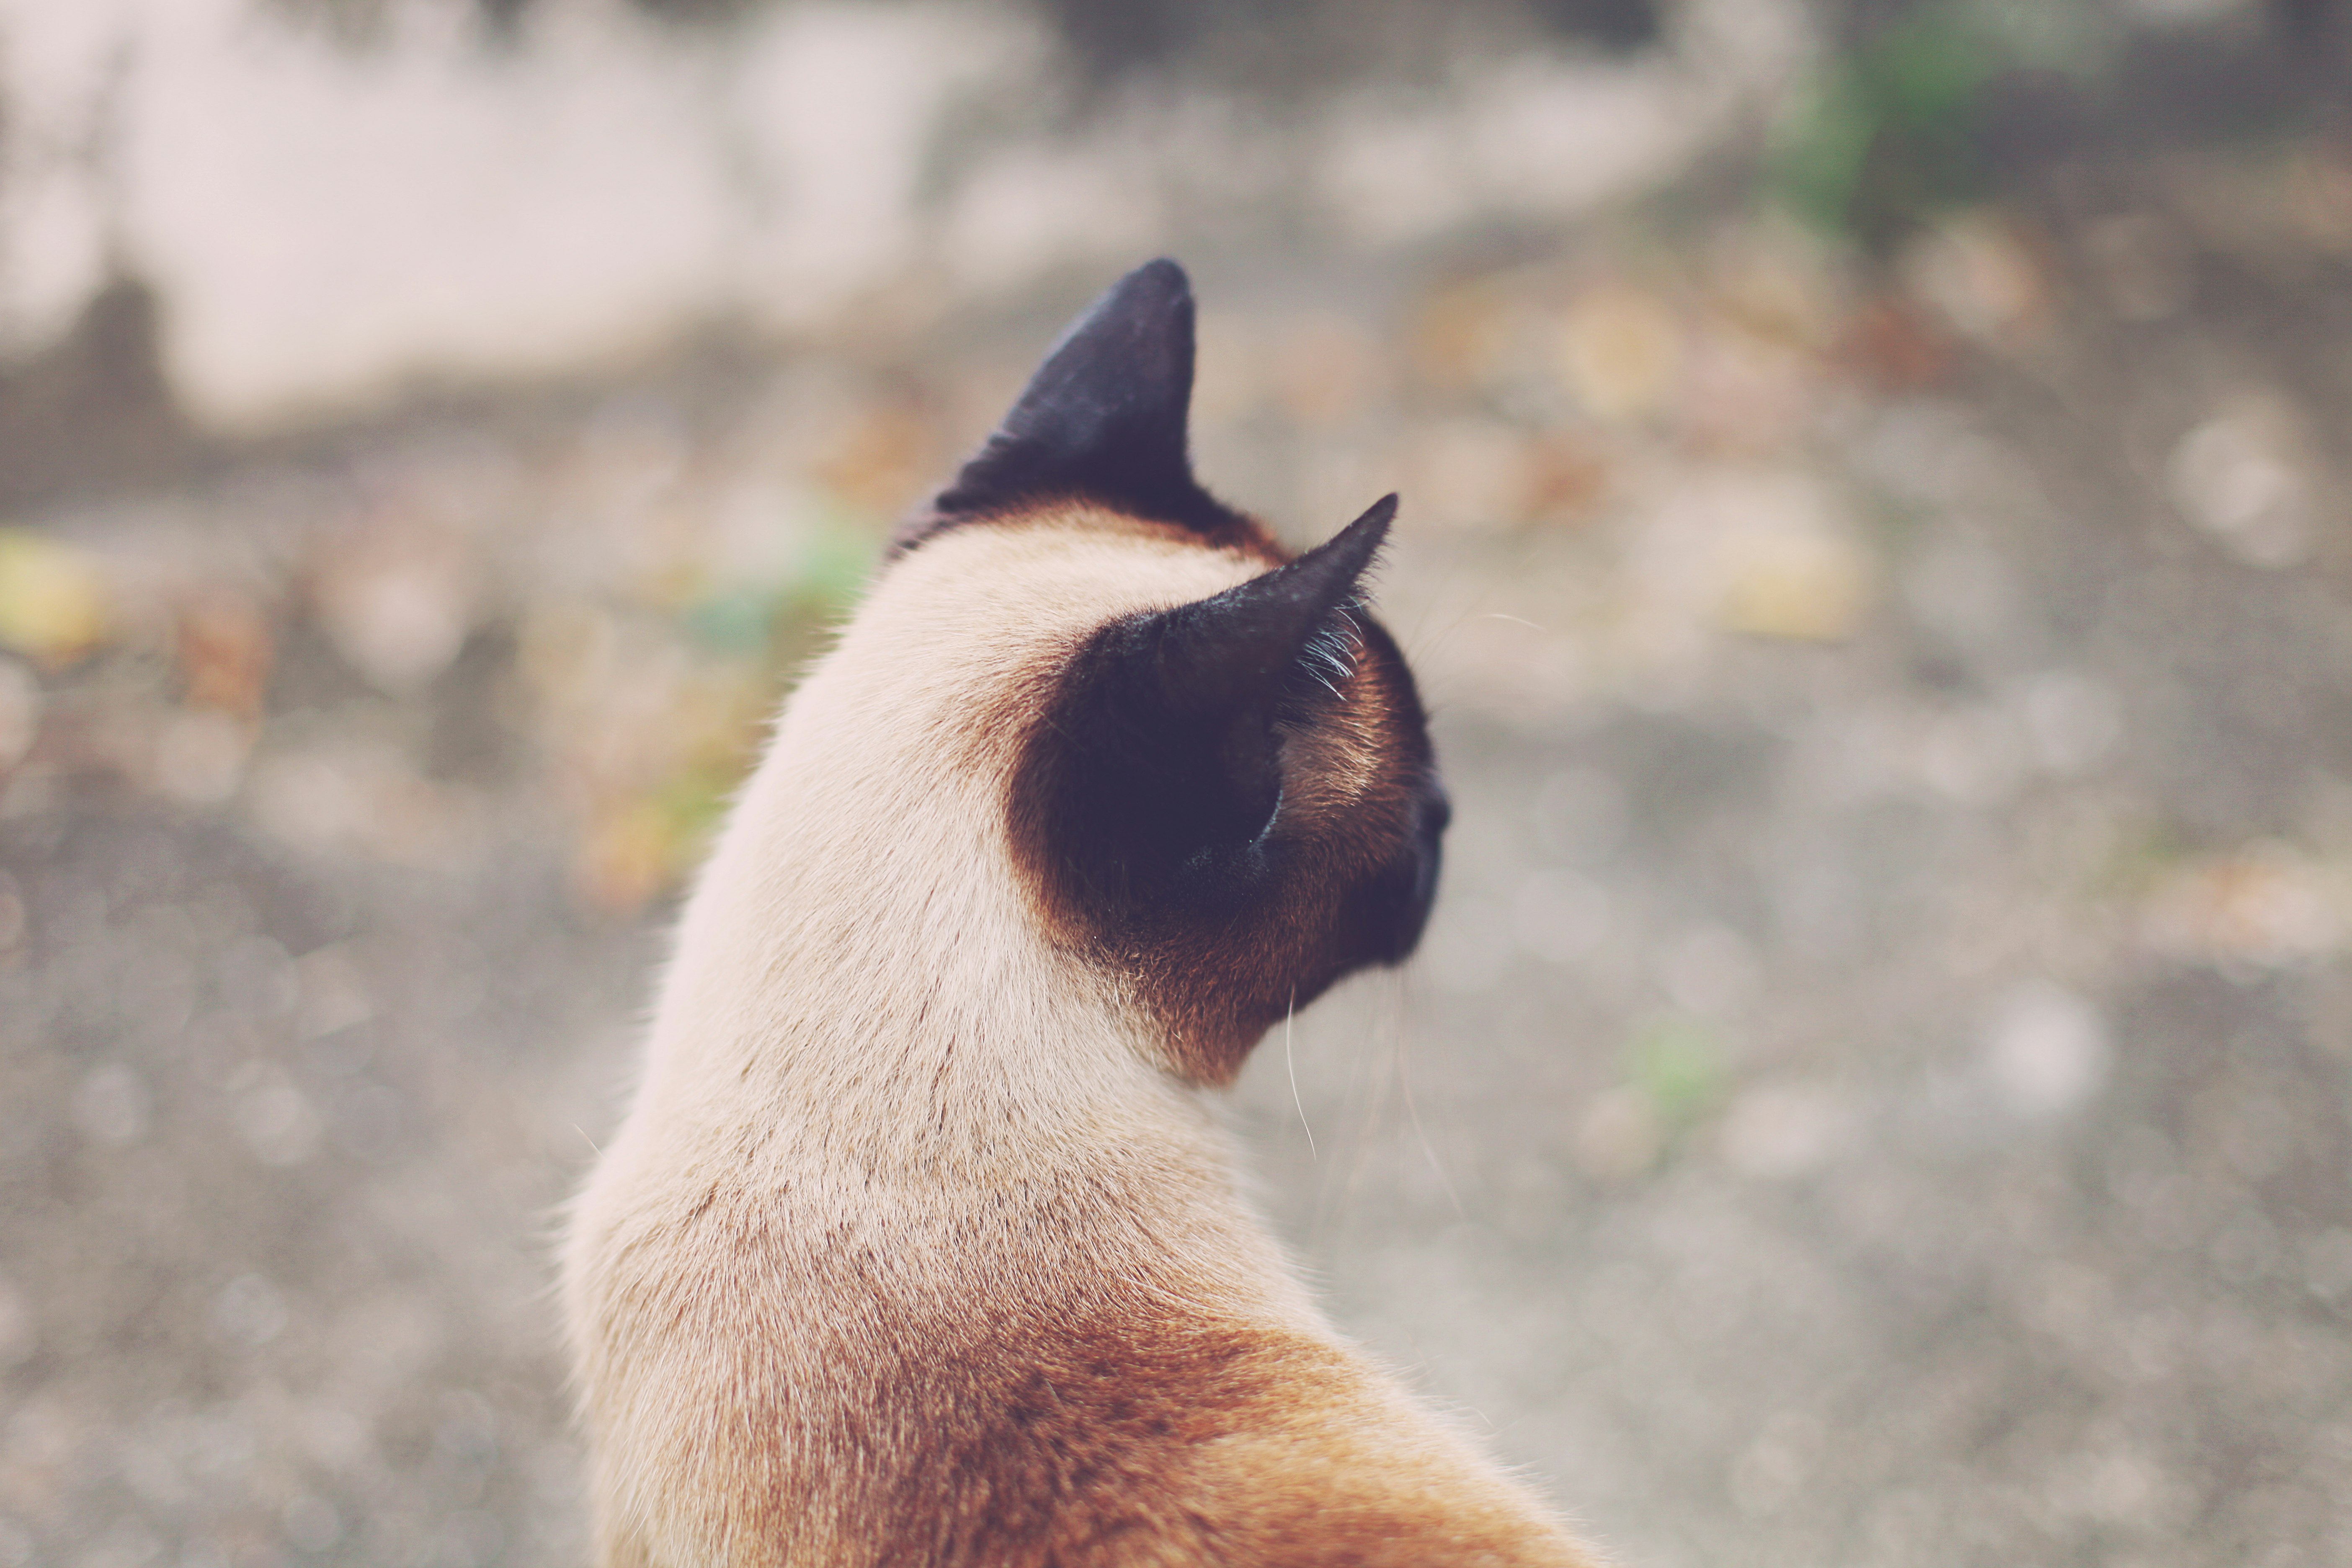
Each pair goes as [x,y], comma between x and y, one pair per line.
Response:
[1169,748]
[1267,642]
[1105,417]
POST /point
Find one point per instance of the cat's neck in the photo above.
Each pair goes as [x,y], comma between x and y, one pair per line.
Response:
[810,987]
[936,1072]
[852,990]
[863,981]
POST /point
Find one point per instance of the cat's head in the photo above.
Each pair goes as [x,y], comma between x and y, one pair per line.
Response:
[1228,803]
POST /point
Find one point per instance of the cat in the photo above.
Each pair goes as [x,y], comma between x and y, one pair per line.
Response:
[919,1244]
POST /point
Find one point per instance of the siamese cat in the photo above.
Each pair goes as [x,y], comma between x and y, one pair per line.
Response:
[919,1244]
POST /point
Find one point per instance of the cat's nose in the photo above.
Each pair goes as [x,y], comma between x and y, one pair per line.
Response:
[1436,811]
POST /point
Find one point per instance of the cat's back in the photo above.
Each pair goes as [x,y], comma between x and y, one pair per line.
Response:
[919,1418]
[1061,1373]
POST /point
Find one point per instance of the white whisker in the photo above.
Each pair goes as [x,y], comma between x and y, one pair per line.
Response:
[1292,1063]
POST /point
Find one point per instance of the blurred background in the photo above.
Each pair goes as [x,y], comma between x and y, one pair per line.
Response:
[1875,1091]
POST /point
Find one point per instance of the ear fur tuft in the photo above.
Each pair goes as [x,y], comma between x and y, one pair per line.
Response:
[1239,647]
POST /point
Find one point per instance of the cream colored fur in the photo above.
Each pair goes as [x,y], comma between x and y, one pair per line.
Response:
[863,1044]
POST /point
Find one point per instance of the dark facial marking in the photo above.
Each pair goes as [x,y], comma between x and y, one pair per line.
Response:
[1160,803]
[1104,419]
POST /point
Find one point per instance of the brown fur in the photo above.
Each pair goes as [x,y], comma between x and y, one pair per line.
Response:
[917,1245]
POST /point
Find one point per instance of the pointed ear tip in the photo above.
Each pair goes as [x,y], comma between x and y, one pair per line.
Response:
[1165,271]
[1158,285]
[1356,549]
[1379,515]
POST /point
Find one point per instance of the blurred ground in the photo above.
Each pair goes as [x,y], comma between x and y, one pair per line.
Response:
[1875,1091]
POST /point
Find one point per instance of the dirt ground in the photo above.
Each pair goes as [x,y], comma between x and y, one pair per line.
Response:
[1878,1087]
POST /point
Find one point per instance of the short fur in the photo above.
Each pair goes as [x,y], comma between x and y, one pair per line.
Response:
[919,1244]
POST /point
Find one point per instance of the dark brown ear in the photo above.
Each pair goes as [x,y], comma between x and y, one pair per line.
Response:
[1105,419]
[1159,777]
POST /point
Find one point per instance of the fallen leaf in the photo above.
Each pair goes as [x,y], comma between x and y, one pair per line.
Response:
[225,651]
[1808,587]
[53,603]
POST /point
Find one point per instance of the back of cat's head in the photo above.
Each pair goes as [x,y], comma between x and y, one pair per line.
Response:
[1094,730]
